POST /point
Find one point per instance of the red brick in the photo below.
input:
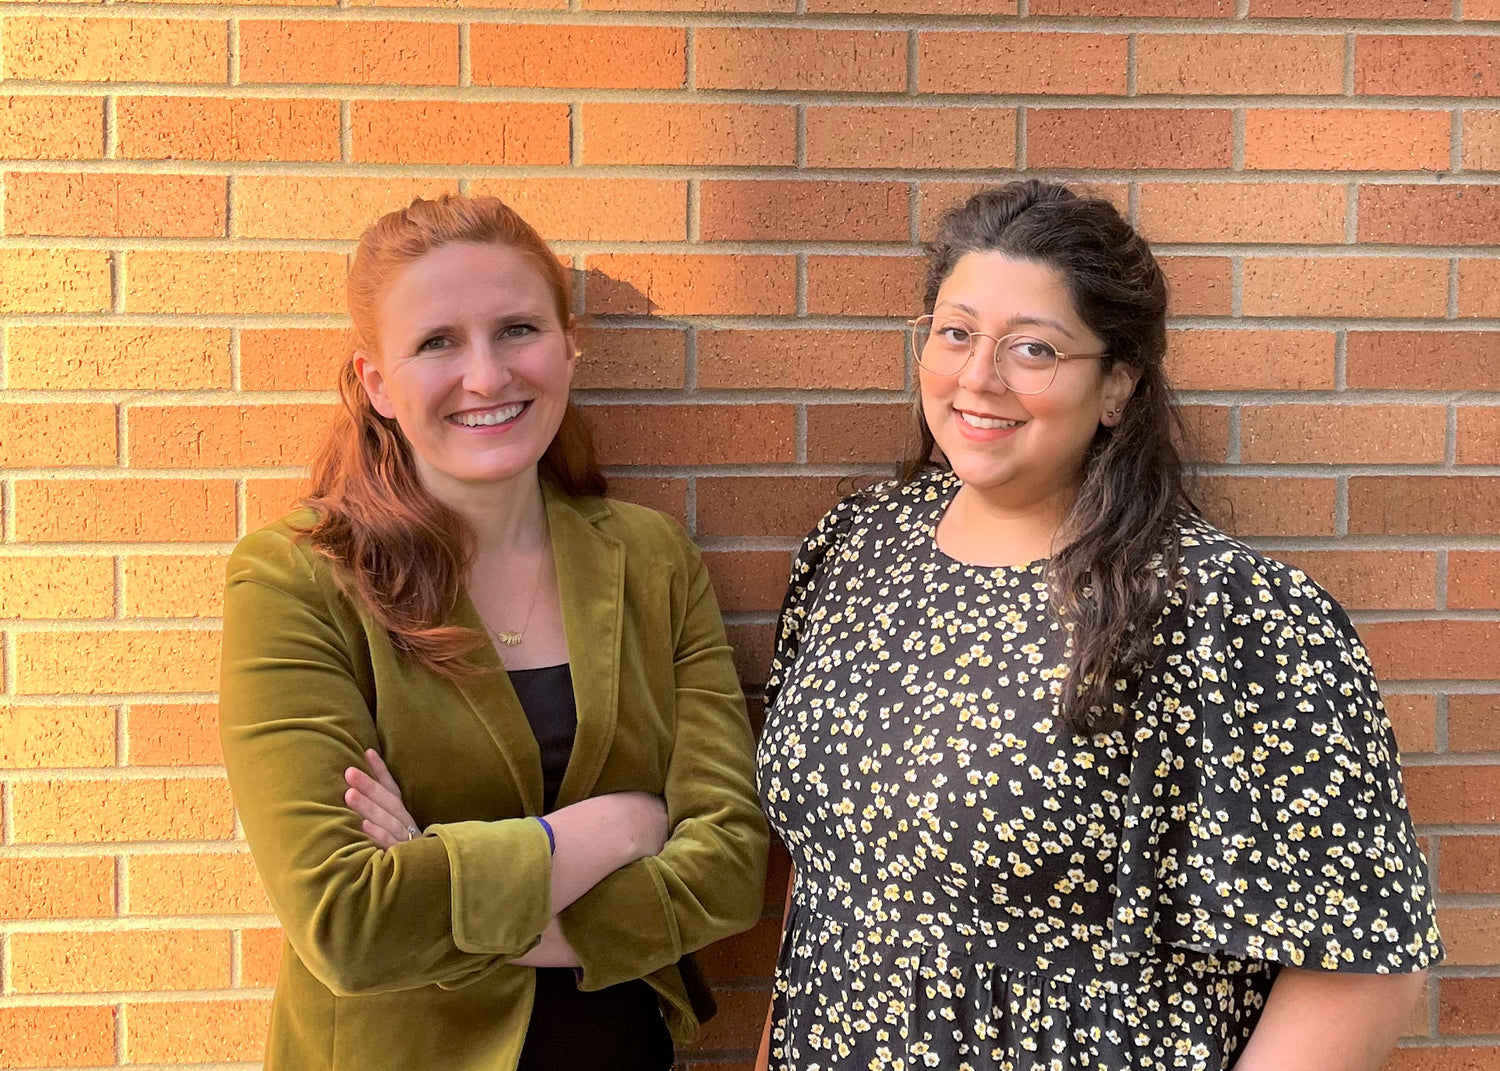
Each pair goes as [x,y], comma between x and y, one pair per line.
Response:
[1441,795]
[57,888]
[749,580]
[183,1032]
[115,206]
[1423,360]
[56,737]
[120,811]
[370,53]
[1414,721]
[121,358]
[61,49]
[802,359]
[803,211]
[674,284]
[946,136]
[668,495]
[54,587]
[752,653]
[1266,505]
[1179,9]
[54,280]
[1289,212]
[766,505]
[1129,138]
[198,883]
[1423,505]
[693,434]
[1205,434]
[1222,359]
[1432,650]
[1481,140]
[203,436]
[1345,286]
[1428,215]
[49,434]
[1473,725]
[738,1024]
[1248,64]
[51,128]
[212,128]
[1198,286]
[1479,288]
[174,585]
[579,57]
[1474,579]
[596,209]
[830,61]
[173,734]
[1478,435]
[266,281]
[455,132]
[1445,1058]
[292,358]
[691,135]
[267,500]
[129,961]
[1471,936]
[260,957]
[1441,66]
[1372,579]
[123,510]
[1468,864]
[787,6]
[865,285]
[280,206]
[859,433]
[1469,1005]
[1352,9]
[966,8]
[750,956]
[74,1036]
[1346,139]
[1008,63]
[1480,10]
[626,358]
[1342,434]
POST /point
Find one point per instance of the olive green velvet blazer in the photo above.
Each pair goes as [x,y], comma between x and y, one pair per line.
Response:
[398,958]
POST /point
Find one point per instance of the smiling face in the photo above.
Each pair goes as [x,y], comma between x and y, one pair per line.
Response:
[474,366]
[1018,451]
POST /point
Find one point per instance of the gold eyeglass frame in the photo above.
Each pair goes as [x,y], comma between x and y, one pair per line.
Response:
[911,344]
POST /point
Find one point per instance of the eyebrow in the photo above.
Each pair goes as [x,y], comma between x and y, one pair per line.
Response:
[1014,321]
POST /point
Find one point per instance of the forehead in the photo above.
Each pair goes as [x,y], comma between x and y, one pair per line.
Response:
[997,284]
[464,279]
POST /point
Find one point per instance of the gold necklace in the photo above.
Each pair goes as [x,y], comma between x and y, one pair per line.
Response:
[513,637]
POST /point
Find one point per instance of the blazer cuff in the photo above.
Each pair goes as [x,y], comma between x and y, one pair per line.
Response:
[624,927]
[500,874]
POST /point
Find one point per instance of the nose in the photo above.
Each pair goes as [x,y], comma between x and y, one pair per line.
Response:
[485,369]
[981,373]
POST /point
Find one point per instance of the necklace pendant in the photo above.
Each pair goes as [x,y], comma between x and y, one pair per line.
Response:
[510,639]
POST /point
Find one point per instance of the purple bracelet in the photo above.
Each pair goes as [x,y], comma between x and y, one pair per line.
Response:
[551,838]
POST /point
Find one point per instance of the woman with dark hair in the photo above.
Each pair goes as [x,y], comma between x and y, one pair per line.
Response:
[1070,778]
[481,723]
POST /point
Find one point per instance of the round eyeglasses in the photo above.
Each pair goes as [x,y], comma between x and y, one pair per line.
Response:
[1025,364]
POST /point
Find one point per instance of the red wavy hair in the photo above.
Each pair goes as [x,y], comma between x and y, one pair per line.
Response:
[404,554]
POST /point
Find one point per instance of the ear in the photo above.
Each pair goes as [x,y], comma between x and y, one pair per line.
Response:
[373,380]
[570,340]
[1119,385]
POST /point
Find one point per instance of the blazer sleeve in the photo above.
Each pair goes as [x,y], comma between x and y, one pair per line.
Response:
[708,881]
[294,714]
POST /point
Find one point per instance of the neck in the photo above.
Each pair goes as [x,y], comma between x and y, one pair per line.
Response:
[504,517]
[983,529]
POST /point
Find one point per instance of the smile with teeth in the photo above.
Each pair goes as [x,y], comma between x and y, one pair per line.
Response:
[490,417]
[974,420]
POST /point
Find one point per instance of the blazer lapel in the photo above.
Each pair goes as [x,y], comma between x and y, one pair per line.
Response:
[494,703]
[591,582]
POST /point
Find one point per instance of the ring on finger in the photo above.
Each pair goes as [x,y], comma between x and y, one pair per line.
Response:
[412,832]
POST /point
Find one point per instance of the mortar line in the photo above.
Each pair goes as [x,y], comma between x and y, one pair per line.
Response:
[913,62]
[346,132]
[111,128]
[1452,310]
[1440,579]
[465,58]
[1348,79]
[232,42]
[1450,434]
[1130,65]
[1441,737]
[1456,141]
[1341,505]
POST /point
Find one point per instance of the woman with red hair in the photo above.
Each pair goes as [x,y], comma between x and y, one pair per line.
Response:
[481,723]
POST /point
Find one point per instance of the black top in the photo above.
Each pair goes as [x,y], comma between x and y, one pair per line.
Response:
[976,885]
[619,1028]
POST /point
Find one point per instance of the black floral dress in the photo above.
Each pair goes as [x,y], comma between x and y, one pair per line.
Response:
[976,887]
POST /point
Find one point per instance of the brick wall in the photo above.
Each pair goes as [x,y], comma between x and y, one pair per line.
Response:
[741,186]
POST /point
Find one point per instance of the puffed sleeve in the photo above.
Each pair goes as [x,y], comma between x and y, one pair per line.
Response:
[708,880]
[295,702]
[812,561]
[1267,817]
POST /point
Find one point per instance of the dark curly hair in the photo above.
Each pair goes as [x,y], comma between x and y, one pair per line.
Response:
[1118,548]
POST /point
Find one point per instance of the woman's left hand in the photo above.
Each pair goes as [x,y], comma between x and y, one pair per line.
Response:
[377,801]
